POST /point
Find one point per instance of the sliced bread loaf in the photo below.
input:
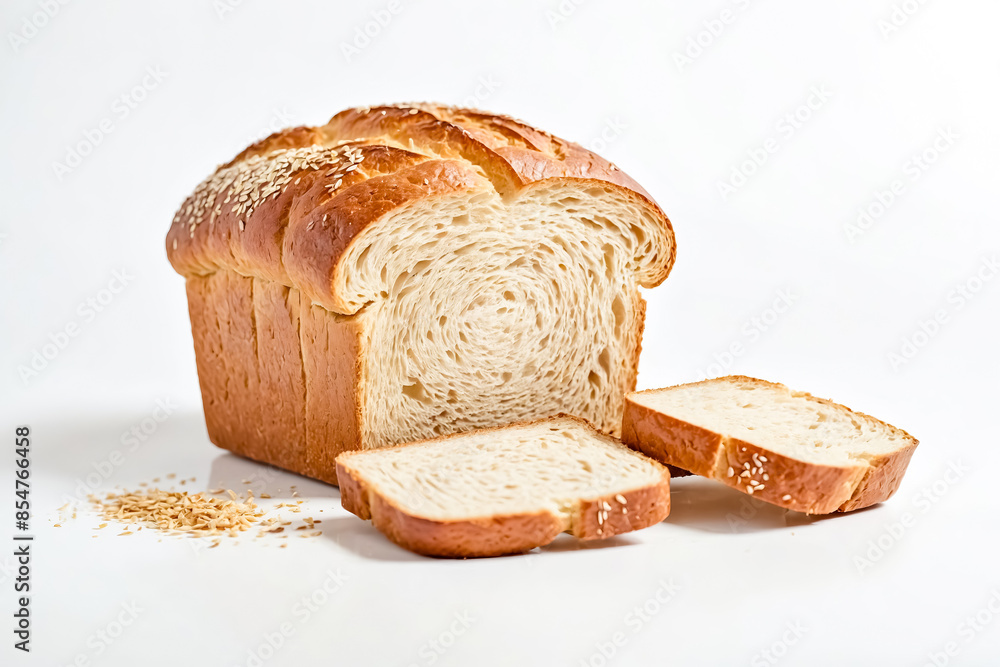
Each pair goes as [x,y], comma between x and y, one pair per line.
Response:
[409,271]
[786,447]
[504,490]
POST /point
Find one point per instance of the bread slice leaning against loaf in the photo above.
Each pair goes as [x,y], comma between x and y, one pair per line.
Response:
[408,271]
[786,447]
[504,490]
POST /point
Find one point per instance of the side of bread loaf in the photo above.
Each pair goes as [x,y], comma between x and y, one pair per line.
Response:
[504,490]
[410,271]
[788,448]
[280,377]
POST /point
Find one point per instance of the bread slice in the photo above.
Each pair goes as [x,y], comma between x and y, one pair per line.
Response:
[408,271]
[504,490]
[785,447]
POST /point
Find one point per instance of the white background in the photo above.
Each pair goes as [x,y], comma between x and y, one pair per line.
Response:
[860,589]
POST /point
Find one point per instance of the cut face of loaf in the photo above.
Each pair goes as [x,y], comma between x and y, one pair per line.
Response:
[504,490]
[517,311]
[788,448]
[411,271]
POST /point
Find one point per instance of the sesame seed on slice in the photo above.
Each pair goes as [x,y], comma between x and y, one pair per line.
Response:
[731,472]
[620,498]
[786,497]
[749,489]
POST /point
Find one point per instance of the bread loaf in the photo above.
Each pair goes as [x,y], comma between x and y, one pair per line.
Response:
[410,271]
[504,490]
[785,447]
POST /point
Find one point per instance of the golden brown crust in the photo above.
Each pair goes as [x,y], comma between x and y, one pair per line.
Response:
[291,137]
[595,518]
[418,128]
[812,488]
[619,513]
[480,538]
[242,377]
[332,358]
[668,440]
[511,152]
[281,382]
[287,208]
[492,536]
[881,480]
[290,220]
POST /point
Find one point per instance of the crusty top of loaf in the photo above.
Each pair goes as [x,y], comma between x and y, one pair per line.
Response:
[288,206]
